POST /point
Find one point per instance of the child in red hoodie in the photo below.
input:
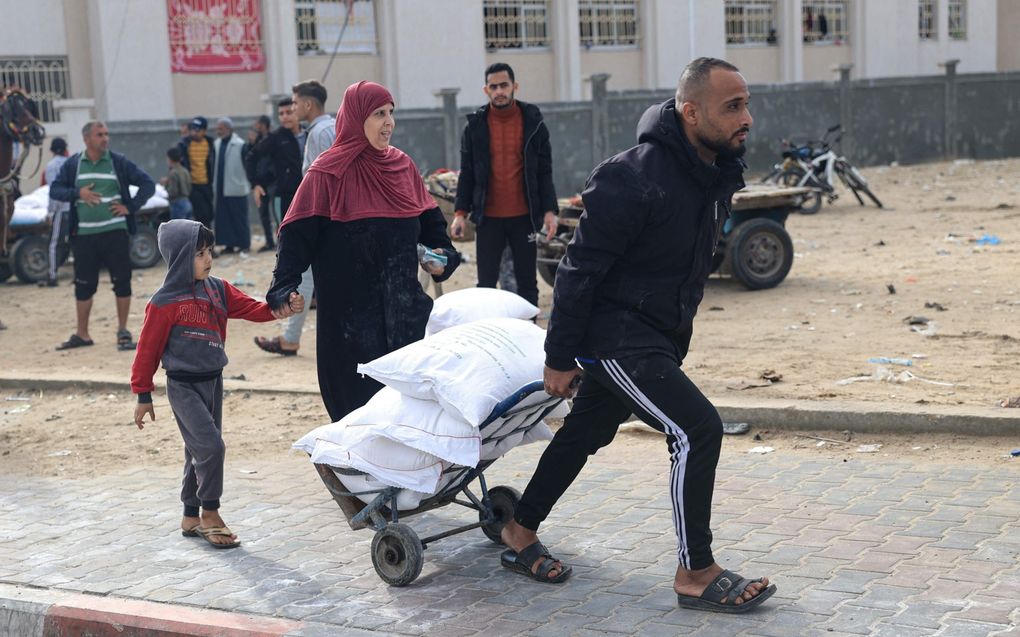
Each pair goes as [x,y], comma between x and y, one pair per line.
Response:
[185,326]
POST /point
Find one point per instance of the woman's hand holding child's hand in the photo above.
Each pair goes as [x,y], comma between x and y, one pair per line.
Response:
[295,305]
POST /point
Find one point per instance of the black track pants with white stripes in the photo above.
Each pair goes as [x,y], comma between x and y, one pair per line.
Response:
[652,387]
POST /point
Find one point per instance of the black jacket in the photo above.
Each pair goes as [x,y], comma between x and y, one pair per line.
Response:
[635,271]
[476,163]
[64,187]
[284,150]
[210,160]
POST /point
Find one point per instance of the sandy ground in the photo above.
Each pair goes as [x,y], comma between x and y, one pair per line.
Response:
[834,312]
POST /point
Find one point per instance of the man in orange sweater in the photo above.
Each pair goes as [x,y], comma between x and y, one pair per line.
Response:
[505,185]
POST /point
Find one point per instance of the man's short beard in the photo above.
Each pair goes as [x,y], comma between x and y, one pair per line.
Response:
[722,148]
[509,103]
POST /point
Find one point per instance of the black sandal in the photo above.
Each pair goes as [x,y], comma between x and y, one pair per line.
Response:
[721,595]
[523,561]
[74,341]
[272,345]
[124,342]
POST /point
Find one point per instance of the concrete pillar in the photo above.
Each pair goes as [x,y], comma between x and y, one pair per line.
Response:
[279,37]
[846,108]
[599,117]
[386,35]
[949,143]
[130,48]
[73,115]
[451,134]
[791,41]
[567,50]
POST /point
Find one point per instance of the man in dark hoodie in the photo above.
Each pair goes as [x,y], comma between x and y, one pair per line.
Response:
[624,303]
[185,326]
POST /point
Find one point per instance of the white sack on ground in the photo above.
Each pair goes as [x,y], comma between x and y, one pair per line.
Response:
[468,369]
[420,424]
[474,304]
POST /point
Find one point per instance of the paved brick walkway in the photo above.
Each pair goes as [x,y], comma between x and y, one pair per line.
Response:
[870,547]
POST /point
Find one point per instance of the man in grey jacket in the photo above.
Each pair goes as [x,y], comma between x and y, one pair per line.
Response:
[230,188]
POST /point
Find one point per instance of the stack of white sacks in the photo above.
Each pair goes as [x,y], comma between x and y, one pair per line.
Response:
[480,347]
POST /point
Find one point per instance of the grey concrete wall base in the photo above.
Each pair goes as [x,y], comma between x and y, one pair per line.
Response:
[21,617]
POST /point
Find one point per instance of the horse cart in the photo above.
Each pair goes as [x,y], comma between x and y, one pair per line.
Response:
[28,237]
[755,248]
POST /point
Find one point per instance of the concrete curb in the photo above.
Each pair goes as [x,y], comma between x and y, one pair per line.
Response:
[769,413]
[42,612]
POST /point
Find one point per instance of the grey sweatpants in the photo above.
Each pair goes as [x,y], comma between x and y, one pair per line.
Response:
[198,408]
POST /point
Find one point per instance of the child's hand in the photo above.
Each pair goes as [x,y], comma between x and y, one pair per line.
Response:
[140,410]
[296,302]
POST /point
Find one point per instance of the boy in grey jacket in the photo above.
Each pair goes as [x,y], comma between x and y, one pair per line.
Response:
[185,326]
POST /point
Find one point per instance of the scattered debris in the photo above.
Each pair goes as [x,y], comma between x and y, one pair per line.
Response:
[891,288]
[761,450]
[735,428]
[880,243]
[885,360]
[238,377]
[1010,403]
[933,305]
[16,398]
[917,320]
[20,409]
[987,240]
[248,471]
[1015,453]
[771,375]
[57,454]
[746,383]
[715,308]
[869,448]
[820,439]
[884,374]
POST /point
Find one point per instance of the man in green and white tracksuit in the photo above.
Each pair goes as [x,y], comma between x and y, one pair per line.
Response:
[96,183]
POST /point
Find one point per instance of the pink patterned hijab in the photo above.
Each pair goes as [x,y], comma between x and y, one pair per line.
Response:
[352,179]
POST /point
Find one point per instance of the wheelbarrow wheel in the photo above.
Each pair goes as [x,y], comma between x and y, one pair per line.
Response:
[397,554]
[503,501]
[759,253]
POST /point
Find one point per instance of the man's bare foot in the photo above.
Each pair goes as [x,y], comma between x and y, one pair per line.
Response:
[277,345]
[519,538]
[694,583]
[212,519]
[189,523]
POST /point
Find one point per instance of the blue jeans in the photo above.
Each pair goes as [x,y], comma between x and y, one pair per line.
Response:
[180,209]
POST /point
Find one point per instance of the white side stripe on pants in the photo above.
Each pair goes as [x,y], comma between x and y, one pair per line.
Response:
[680,450]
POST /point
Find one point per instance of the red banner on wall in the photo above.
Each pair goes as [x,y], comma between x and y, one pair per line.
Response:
[215,36]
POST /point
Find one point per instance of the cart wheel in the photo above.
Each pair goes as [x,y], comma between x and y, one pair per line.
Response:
[504,503]
[144,248]
[29,258]
[548,272]
[397,554]
[759,253]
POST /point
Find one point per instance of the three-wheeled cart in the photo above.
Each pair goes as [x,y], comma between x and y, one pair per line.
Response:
[397,550]
[755,247]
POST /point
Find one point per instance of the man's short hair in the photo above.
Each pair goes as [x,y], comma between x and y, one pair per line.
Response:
[313,89]
[86,130]
[173,154]
[499,67]
[694,78]
[265,120]
[287,101]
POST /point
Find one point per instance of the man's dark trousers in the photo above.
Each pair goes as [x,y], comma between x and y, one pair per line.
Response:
[651,386]
[492,236]
[202,204]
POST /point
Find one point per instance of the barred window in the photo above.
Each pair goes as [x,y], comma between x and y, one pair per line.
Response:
[958,19]
[825,21]
[750,22]
[321,22]
[516,24]
[44,80]
[927,19]
[608,22]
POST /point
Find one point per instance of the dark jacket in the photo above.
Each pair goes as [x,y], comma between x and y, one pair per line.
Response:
[635,271]
[476,163]
[283,149]
[128,174]
[263,173]
[210,160]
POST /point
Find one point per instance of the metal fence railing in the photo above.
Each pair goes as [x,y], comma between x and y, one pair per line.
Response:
[44,79]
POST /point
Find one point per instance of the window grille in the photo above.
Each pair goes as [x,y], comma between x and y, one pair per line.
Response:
[825,21]
[927,19]
[750,22]
[608,22]
[958,19]
[516,24]
[319,23]
[44,79]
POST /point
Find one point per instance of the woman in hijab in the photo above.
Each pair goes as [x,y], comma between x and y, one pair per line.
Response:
[357,218]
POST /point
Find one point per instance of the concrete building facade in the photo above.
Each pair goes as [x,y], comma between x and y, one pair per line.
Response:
[115,55]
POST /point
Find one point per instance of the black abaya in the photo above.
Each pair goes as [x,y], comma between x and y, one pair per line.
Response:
[369,300]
